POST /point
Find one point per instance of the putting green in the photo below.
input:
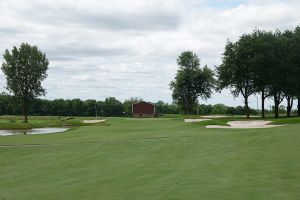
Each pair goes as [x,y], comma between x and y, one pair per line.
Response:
[163,159]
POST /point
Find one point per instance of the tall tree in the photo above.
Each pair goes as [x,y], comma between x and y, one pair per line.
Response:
[191,81]
[290,69]
[277,74]
[262,55]
[296,60]
[236,71]
[25,68]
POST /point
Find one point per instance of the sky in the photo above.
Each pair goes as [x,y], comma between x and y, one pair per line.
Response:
[128,48]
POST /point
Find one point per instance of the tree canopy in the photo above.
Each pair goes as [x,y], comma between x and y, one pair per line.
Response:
[25,68]
[191,81]
[236,72]
[262,62]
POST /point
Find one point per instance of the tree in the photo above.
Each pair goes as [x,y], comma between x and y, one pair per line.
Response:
[112,107]
[77,106]
[160,107]
[236,71]
[277,75]
[191,82]
[25,68]
[171,109]
[128,105]
[263,58]
[8,106]
[219,109]
[40,107]
[90,108]
[274,70]
[290,70]
[58,107]
[296,61]
[205,109]
[282,109]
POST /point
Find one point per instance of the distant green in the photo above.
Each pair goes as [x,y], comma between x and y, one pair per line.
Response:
[150,159]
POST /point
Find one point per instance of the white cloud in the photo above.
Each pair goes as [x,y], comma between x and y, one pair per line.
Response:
[127,48]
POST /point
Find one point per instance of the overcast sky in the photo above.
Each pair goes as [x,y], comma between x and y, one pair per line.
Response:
[101,48]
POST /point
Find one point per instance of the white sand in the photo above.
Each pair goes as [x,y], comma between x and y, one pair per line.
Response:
[214,116]
[246,124]
[195,120]
[93,121]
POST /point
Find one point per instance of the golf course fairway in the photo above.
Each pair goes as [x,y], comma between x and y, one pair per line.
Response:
[150,159]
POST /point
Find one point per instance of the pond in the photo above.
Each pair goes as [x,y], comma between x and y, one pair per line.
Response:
[32,131]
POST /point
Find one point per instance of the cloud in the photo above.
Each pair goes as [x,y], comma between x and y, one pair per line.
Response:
[126,48]
[111,15]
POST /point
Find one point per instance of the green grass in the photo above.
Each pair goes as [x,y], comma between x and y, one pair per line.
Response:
[182,116]
[17,122]
[153,159]
[223,121]
[284,120]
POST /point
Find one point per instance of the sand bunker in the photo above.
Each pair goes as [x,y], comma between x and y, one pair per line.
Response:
[246,124]
[94,121]
[214,116]
[195,120]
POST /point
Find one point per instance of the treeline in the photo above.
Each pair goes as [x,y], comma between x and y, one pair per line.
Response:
[261,62]
[77,107]
[110,107]
[266,63]
[203,109]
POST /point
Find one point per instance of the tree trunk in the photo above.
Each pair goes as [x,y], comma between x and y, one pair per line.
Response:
[263,104]
[276,111]
[276,102]
[25,111]
[289,100]
[188,108]
[298,113]
[247,107]
[186,105]
[288,108]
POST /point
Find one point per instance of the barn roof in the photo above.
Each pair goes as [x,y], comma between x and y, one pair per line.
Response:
[143,102]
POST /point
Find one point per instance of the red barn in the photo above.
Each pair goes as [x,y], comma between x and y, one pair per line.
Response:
[143,109]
